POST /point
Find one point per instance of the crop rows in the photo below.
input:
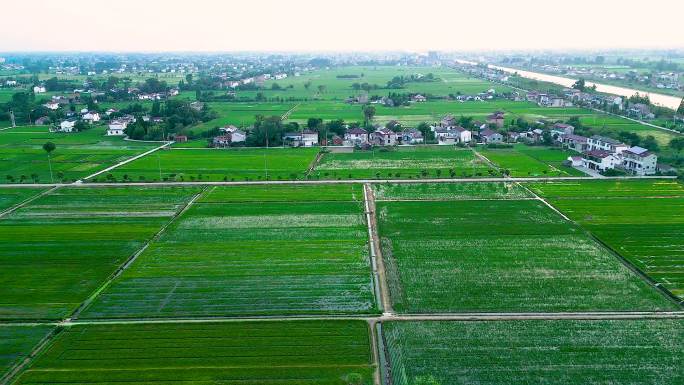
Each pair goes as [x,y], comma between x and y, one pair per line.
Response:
[219,165]
[500,256]
[637,352]
[55,251]
[227,257]
[287,352]
[449,191]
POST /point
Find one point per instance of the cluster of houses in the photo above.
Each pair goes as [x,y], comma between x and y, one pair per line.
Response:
[600,154]
[658,79]
[258,80]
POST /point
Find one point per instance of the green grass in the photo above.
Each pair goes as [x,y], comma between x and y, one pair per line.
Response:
[449,191]
[560,352]
[501,256]
[231,256]
[13,196]
[77,155]
[220,165]
[402,163]
[16,342]
[58,249]
[287,352]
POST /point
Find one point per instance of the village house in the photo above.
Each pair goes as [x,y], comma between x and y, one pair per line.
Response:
[411,136]
[221,141]
[512,136]
[42,121]
[118,127]
[356,136]
[561,129]
[305,138]
[91,116]
[453,135]
[497,119]
[490,136]
[597,142]
[11,83]
[640,111]
[575,142]
[111,111]
[66,125]
[639,161]
[237,135]
[418,98]
[600,160]
[384,137]
[39,89]
[180,138]
[51,105]
[575,161]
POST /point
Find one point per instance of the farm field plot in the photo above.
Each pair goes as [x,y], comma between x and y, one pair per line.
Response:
[522,161]
[287,352]
[553,352]
[285,193]
[12,196]
[228,256]
[449,191]
[219,165]
[338,83]
[403,163]
[16,342]
[501,256]
[241,114]
[633,188]
[434,111]
[77,155]
[646,231]
[55,251]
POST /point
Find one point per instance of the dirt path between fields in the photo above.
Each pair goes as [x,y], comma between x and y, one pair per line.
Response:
[129,160]
[314,163]
[376,250]
[26,201]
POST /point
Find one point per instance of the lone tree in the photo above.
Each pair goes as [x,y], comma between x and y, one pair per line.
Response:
[49,147]
[368,114]
[580,85]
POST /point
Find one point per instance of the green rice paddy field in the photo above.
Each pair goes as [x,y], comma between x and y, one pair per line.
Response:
[76,155]
[16,342]
[279,353]
[642,221]
[234,254]
[12,196]
[403,163]
[219,165]
[59,248]
[499,255]
[553,352]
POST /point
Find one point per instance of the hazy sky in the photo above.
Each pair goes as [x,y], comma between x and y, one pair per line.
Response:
[343,25]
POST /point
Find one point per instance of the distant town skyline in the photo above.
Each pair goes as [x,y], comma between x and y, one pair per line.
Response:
[353,25]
